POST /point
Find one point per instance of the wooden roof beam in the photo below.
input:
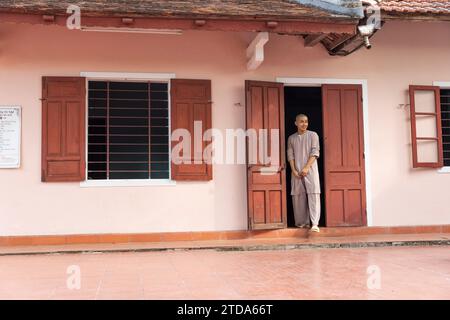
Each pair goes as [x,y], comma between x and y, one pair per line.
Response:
[312,39]
[48,18]
[290,27]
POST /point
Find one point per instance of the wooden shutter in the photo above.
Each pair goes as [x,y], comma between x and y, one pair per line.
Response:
[63,129]
[426,127]
[266,193]
[345,193]
[190,102]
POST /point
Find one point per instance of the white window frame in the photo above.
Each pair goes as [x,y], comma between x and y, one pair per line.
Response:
[121,76]
[442,85]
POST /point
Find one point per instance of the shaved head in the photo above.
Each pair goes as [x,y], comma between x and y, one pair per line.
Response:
[301,115]
[301,122]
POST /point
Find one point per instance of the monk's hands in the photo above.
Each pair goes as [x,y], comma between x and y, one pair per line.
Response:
[301,174]
[304,172]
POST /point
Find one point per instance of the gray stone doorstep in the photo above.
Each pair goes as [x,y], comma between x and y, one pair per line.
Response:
[258,247]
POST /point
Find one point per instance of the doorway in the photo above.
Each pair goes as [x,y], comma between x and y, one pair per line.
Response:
[336,113]
[306,100]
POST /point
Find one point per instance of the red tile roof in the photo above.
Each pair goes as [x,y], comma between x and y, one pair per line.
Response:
[416,6]
[249,9]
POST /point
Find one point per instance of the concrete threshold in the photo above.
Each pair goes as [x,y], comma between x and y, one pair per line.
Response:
[405,240]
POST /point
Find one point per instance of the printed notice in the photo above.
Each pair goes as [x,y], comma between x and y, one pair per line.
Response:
[10,127]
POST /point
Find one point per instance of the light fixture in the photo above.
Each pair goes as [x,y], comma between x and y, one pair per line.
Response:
[132,30]
[366,31]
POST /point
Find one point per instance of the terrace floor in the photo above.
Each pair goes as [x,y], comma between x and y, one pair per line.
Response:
[392,272]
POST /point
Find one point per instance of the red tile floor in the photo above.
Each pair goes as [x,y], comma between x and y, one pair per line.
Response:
[400,273]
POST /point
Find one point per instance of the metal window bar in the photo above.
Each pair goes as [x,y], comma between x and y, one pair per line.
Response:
[445,117]
[163,166]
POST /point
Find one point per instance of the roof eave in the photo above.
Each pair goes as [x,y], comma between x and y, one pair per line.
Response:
[410,16]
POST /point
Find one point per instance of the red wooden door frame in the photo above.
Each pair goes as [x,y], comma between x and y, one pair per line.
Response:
[266,194]
[341,180]
[328,186]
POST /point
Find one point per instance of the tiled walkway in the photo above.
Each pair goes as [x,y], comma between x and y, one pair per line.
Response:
[405,273]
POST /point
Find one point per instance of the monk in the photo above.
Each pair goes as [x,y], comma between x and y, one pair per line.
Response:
[302,153]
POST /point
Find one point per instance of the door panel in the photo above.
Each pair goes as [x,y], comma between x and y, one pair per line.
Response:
[63,129]
[190,103]
[344,156]
[266,192]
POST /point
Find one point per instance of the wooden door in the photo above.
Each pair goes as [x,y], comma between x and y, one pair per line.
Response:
[266,181]
[345,195]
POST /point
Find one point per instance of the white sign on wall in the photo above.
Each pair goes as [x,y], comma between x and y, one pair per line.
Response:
[10,130]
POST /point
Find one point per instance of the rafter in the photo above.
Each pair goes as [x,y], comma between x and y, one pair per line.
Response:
[312,39]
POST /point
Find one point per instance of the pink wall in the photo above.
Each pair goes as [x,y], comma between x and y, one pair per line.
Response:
[402,54]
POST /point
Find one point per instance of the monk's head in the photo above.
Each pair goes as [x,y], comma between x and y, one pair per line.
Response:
[301,121]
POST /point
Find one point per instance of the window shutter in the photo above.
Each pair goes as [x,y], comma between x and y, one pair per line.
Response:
[426,127]
[63,129]
[190,102]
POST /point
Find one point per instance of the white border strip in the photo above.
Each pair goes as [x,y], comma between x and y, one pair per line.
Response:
[445,85]
[127,76]
[127,183]
[319,82]
[442,84]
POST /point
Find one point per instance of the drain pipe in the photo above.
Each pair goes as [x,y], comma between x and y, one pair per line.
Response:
[366,31]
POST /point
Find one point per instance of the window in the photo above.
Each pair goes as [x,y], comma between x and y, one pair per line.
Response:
[445,119]
[128,130]
[126,135]
[426,126]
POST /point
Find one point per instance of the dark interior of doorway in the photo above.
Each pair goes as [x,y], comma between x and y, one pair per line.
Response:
[306,100]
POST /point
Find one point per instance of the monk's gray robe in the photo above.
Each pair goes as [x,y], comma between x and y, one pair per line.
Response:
[305,191]
[300,148]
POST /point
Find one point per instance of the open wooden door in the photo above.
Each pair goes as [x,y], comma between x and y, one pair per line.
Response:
[266,181]
[345,194]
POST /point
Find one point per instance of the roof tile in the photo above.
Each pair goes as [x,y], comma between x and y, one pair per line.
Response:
[416,6]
